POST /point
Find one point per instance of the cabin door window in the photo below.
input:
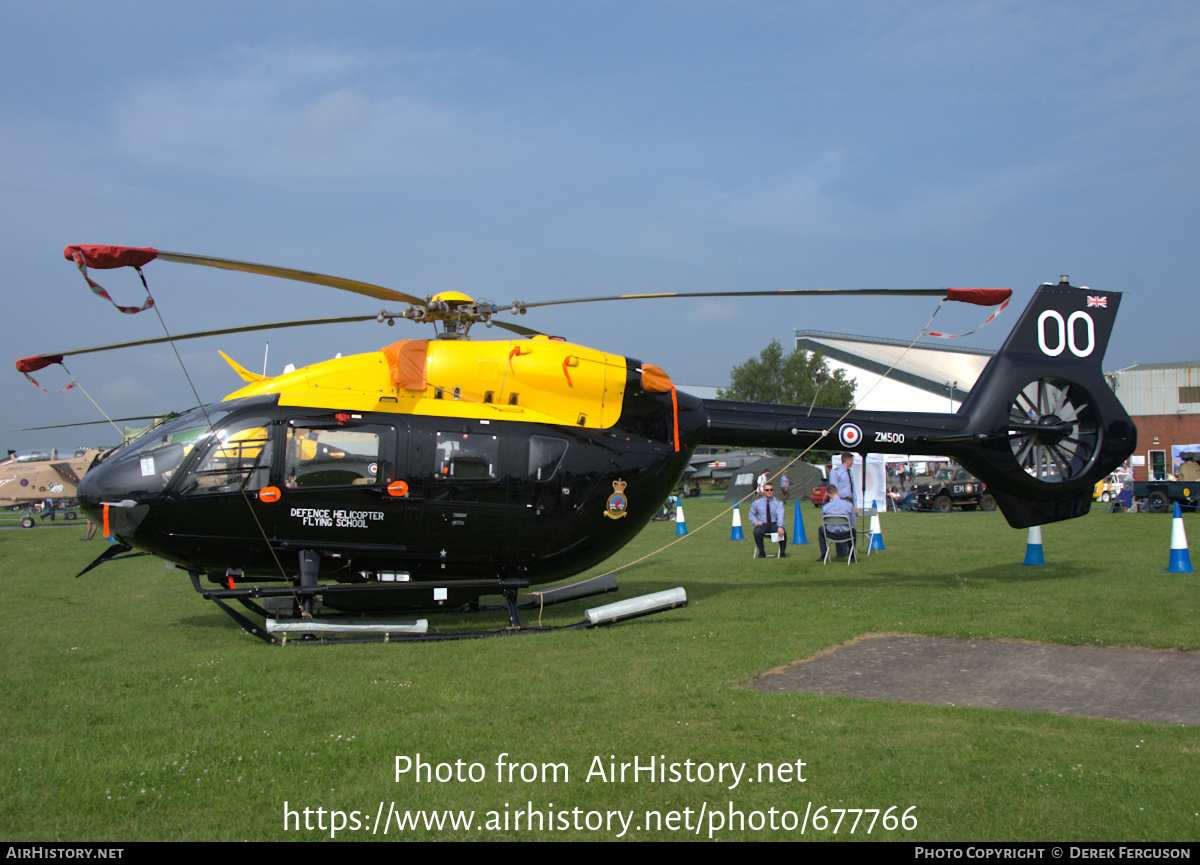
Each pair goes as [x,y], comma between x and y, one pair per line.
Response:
[335,456]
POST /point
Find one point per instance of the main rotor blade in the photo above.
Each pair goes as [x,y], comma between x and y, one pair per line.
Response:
[517,328]
[782,292]
[93,422]
[198,335]
[376,291]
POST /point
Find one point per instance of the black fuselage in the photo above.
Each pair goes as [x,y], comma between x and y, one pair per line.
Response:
[515,500]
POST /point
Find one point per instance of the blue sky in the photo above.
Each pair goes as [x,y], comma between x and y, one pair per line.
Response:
[540,150]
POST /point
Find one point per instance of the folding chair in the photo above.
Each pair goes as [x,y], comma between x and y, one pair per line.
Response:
[843,525]
[773,537]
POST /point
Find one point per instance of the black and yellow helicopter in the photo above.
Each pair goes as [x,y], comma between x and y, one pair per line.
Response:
[437,471]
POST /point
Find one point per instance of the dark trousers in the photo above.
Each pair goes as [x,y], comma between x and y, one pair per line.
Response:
[840,540]
[766,529]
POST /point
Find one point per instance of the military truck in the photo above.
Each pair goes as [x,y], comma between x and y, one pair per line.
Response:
[954,488]
[1158,496]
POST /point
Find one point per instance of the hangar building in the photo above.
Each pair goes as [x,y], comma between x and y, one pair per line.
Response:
[928,377]
[1162,398]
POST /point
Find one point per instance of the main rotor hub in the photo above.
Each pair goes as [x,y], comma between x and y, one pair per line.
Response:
[455,310]
[452,298]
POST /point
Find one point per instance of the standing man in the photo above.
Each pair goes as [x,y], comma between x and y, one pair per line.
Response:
[841,479]
[784,486]
[836,506]
[762,482]
[767,516]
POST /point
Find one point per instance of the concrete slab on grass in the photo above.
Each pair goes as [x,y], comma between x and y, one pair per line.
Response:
[1125,684]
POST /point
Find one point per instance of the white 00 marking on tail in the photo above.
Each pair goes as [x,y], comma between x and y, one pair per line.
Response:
[1065,333]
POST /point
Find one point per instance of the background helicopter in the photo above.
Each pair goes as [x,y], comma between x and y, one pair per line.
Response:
[433,472]
[30,477]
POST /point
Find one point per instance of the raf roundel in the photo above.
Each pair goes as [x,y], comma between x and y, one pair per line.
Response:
[849,435]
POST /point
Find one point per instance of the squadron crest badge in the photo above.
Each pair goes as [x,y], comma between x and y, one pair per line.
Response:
[617,504]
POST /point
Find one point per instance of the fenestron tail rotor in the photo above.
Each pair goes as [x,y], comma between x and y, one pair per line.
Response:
[1054,431]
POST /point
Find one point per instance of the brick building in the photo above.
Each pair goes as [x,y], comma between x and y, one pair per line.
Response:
[1164,401]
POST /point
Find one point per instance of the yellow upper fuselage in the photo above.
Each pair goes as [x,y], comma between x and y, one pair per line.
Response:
[540,380]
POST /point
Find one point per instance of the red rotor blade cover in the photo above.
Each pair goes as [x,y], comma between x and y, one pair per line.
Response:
[979,296]
[41,361]
[107,257]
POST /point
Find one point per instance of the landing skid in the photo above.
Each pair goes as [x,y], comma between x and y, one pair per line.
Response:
[303,613]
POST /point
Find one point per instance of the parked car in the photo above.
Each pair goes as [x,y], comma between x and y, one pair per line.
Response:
[820,494]
[1106,490]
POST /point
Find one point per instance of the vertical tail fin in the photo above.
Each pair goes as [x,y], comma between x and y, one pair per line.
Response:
[1046,423]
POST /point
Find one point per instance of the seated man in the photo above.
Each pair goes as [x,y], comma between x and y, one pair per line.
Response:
[767,515]
[835,506]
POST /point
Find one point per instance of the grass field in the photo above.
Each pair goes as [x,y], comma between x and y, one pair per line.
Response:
[135,710]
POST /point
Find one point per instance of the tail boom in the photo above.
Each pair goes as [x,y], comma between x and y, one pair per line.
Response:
[1040,426]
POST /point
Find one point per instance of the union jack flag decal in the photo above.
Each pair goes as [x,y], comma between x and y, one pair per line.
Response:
[1097,300]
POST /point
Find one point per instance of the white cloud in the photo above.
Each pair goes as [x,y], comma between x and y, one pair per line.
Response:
[712,311]
[299,115]
[125,390]
[336,115]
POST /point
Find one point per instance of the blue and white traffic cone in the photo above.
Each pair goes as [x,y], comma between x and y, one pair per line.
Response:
[1033,548]
[680,523]
[798,536]
[1181,559]
[736,533]
[876,531]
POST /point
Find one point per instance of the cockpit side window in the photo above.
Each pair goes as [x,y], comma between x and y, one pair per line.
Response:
[148,465]
[238,458]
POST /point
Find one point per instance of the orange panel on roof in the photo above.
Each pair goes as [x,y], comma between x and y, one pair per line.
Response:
[406,363]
